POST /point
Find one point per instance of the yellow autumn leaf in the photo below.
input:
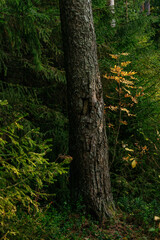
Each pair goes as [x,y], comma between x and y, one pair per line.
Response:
[125,110]
[134,100]
[134,163]
[124,73]
[127,90]
[131,73]
[138,94]
[127,95]
[117,79]
[113,108]
[127,82]
[126,158]
[129,149]
[131,115]
[109,77]
[129,86]
[116,69]
[156,218]
[105,76]
[124,64]
[124,54]
[145,148]
[114,56]
[133,78]
[124,122]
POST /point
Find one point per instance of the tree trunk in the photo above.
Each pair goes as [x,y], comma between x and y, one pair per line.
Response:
[87,140]
[147,6]
[126,2]
[112,8]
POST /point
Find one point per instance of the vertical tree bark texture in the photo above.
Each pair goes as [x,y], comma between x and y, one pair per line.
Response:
[147,6]
[112,8]
[88,143]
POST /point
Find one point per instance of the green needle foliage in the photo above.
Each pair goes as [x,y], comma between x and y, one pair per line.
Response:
[25,171]
[27,31]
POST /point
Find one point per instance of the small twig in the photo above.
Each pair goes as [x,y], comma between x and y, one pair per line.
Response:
[119,125]
[15,184]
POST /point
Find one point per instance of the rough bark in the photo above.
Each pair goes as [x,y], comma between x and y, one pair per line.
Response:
[88,143]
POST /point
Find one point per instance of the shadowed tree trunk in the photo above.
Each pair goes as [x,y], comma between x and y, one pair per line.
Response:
[88,143]
[147,6]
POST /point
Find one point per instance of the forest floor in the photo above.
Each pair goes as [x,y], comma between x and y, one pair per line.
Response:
[65,225]
[118,228]
[62,223]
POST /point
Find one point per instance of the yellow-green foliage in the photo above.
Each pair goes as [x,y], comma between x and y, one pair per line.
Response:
[124,98]
[124,107]
[133,133]
[24,169]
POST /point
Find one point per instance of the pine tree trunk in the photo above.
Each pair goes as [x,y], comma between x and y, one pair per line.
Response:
[88,143]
